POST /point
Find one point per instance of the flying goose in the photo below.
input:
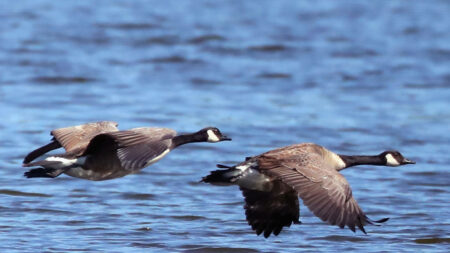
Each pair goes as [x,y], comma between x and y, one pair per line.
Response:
[99,151]
[272,182]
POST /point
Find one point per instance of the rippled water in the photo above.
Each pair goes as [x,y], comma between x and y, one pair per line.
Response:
[356,77]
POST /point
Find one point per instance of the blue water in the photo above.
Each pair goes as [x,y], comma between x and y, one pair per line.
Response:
[358,77]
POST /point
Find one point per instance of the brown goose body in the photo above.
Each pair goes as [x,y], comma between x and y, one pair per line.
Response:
[272,182]
[100,151]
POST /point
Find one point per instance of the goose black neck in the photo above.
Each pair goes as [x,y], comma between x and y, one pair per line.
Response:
[353,160]
[187,138]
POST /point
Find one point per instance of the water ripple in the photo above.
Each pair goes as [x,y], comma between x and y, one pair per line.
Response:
[19,193]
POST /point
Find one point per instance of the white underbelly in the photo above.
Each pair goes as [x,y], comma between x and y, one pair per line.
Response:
[79,172]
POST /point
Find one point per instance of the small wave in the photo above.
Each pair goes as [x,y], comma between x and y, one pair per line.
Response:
[423,173]
[220,249]
[160,40]
[129,26]
[268,48]
[169,59]
[44,210]
[71,249]
[148,245]
[340,238]
[188,217]
[275,75]
[25,194]
[62,79]
[206,38]
[432,240]
[337,39]
[411,30]
[355,130]
[144,229]
[138,196]
[201,81]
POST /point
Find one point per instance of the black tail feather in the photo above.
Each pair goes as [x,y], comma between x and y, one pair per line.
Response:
[43,172]
[40,151]
[360,225]
[221,177]
[214,176]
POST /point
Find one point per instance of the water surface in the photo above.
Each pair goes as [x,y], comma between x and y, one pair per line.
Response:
[356,77]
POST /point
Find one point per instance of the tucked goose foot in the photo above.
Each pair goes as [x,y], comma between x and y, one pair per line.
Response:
[43,172]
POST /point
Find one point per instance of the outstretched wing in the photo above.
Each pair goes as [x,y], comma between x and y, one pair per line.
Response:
[324,190]
[135,148]
[76,138]
[270,211]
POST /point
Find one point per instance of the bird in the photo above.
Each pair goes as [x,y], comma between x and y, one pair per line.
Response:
[100,151]
[272,183]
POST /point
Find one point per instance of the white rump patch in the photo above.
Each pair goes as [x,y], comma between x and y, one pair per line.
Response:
[63,162]
[212,137]
[391,161]
[245,166]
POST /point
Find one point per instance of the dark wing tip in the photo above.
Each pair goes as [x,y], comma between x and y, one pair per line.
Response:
[258,231]
[277,230]
[360,225]
[223,166]
[352,228]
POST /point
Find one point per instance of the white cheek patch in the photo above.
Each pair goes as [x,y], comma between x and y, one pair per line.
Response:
[338,160]
[391,161]
[212,137]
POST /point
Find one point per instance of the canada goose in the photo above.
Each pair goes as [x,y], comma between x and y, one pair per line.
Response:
[99,151]
[272,182]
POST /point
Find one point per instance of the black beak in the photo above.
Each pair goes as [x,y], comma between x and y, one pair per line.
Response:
[225,138]
[406,161]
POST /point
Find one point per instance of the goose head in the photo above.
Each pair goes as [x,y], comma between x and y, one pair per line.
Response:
[394,158]
[212,134]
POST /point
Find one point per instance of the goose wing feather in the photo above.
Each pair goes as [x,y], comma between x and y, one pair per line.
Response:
[77,138]
[135,148]
[323,189]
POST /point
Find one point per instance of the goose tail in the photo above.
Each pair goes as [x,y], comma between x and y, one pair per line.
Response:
[222,177]
[52,166]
